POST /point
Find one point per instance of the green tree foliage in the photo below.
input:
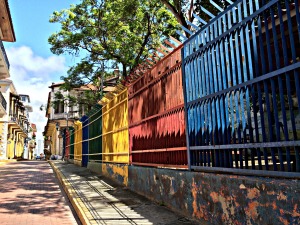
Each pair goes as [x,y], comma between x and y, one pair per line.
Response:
[119,31]
[108,33]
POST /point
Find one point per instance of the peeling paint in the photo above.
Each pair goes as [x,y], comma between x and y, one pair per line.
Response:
[281,196]
[242,186]
[253,193]
[284,221]
[220,199]
[295,211]
[118,172]
[252,210]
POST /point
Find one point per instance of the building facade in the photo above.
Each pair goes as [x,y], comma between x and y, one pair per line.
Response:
[59,117]
[15,127]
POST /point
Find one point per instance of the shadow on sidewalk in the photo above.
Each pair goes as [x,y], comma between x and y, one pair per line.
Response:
[101,194]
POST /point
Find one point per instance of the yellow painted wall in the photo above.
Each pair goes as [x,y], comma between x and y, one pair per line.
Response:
[115,140]
[118,172]
[3,137]
[78,141]
[10,148]
[20,146]
[53,142]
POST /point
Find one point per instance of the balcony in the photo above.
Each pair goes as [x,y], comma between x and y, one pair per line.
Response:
[2,105]
[64,116]
[4,63]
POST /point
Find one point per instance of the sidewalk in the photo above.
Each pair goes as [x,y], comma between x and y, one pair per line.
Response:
[98,200]
[30,195]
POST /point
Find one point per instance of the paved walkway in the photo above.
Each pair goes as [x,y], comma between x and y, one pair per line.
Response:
[97,200]
[30,195]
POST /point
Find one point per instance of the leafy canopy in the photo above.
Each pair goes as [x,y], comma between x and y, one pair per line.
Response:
[116,31]
[106,34]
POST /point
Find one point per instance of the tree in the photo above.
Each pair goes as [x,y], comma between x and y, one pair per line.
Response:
[183,10]
[108,33]
[112,31]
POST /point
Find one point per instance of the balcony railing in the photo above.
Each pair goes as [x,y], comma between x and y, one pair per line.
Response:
[4,54]
[63,116]
[3,101]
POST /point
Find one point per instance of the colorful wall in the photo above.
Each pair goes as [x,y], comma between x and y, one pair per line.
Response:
[211,128]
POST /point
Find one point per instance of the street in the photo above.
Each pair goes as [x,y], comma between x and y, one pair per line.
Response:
[30,195]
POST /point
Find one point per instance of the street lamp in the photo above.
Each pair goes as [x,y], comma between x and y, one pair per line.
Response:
[57,126]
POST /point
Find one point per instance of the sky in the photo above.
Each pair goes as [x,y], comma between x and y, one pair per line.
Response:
[32,65]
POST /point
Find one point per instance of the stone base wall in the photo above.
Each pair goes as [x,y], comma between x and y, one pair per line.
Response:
[220,198]
[212,198]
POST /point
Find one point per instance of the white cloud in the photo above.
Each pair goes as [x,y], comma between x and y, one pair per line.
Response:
[32,75]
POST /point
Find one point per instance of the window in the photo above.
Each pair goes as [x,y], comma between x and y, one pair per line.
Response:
[23,98]
[59,107]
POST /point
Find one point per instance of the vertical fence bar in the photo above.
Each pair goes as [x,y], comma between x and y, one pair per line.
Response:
[85,140]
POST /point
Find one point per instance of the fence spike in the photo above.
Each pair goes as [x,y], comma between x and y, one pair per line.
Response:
[193,25]
[170,44]
[187,30]
[199,18]
[184,37]
[156,56]
[207,12]
[175,40]
[216,5]
[152,58]
[162,52]
[230,2]
[149,62]
[165,48]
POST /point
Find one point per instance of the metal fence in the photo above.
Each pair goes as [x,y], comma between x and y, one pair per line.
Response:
[85,140]
[242,90]
[115,126]
[78,141]
[156,115]
[72,142]
[95,134]
[67,143]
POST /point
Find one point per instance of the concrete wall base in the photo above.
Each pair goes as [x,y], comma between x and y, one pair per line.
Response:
[95,167]
[116,172]
[211,198]
[220,198]
[77,162]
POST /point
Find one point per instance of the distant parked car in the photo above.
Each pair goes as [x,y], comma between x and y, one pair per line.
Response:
[38,157]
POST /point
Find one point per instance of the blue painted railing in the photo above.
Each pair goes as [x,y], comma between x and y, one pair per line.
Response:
[242,90]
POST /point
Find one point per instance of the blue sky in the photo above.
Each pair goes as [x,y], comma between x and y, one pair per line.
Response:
[30,21]
[32,65]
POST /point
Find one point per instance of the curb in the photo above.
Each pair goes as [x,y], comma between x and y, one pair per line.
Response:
[82,212]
